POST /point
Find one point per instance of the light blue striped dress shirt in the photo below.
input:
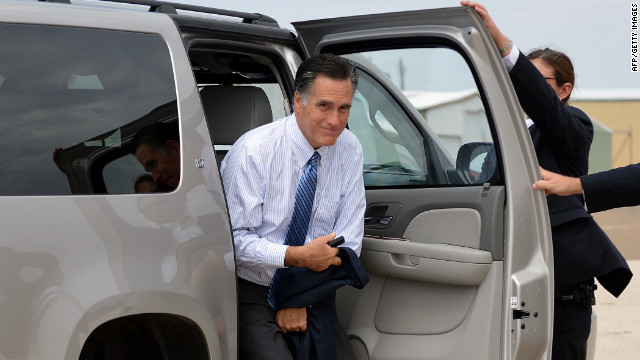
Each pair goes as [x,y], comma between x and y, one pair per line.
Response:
[260,175]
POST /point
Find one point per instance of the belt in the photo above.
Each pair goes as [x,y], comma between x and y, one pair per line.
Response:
[583,293]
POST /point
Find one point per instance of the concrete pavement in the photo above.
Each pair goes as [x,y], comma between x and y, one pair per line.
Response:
[619,319]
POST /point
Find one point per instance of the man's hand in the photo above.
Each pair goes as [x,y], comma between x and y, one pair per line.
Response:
[316,255]
[293,319]
[553,183]
[498,37]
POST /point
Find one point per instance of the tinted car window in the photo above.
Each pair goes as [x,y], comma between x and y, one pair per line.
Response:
[84,92]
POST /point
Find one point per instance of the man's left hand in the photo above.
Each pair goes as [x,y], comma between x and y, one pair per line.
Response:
[292,319]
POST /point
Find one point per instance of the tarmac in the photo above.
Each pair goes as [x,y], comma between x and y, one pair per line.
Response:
[618,320]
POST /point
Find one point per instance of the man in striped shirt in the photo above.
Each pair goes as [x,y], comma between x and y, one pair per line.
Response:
[261,174]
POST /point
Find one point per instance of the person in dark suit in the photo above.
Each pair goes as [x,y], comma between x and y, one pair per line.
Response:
[562,135]
[602,191]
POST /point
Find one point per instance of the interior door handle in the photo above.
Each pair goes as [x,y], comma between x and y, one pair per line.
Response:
[378,220]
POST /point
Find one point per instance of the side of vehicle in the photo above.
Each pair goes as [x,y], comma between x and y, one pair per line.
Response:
[456,242]
[88,270]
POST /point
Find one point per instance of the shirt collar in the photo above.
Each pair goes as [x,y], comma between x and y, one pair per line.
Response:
[302,150]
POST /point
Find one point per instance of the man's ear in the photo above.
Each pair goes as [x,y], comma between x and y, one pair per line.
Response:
[565,90]
[297,102]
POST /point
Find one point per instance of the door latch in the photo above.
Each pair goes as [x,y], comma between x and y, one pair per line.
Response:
[520,314]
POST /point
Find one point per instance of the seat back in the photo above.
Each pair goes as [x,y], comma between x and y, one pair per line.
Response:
[233,110]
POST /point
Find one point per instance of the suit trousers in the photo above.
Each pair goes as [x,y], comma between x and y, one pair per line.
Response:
[571,328]
[259,336]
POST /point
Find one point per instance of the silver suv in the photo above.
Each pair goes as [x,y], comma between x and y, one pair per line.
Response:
[457,244]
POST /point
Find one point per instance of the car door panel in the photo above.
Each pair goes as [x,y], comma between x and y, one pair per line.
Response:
[424,227]
[429,281]
[452,249]
[395,318]
[412,320]
[436,263]
[478,223]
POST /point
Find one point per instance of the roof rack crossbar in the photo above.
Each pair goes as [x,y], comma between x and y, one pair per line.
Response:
[167,6]
[57,1]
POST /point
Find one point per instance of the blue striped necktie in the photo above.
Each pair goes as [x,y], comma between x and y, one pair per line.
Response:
[297,231]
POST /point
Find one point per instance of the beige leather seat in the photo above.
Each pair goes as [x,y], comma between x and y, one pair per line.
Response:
[233,110]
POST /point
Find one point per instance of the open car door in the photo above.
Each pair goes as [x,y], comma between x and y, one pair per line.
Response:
[457,244]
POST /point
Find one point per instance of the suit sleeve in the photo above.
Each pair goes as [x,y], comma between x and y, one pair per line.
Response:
[611,189]
[566,129]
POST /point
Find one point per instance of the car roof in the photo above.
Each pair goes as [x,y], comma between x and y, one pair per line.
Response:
[189,18]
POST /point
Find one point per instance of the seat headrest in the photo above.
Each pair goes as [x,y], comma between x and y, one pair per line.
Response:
[233,110]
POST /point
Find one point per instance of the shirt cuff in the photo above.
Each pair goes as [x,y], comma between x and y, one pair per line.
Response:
[274,255]
[509,60]
[584,197]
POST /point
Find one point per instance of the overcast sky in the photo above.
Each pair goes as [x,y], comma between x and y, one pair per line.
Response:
[595,34]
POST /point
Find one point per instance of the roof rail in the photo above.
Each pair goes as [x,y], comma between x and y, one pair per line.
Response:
[170,8]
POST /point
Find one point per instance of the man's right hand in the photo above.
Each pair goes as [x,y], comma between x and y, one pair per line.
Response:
[316,255]
[293,319]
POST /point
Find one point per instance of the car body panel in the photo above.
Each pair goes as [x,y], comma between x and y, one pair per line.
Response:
[91,255]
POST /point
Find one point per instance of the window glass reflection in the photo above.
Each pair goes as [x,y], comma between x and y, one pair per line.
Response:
[83,92]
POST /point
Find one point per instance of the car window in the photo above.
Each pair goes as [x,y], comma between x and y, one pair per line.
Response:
[71,100]
[440,136]
[392,145]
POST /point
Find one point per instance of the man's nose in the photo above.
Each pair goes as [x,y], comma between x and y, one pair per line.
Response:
[334,118]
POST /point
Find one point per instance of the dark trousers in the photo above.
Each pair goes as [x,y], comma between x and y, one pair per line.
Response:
[571,327]
[259,336]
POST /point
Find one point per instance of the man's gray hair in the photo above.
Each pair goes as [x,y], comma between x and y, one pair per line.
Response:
[331,66]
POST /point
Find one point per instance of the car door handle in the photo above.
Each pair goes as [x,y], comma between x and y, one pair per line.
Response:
[378,220]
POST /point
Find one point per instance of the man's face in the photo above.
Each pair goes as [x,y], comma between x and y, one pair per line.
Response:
[165,169]
[325,115]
